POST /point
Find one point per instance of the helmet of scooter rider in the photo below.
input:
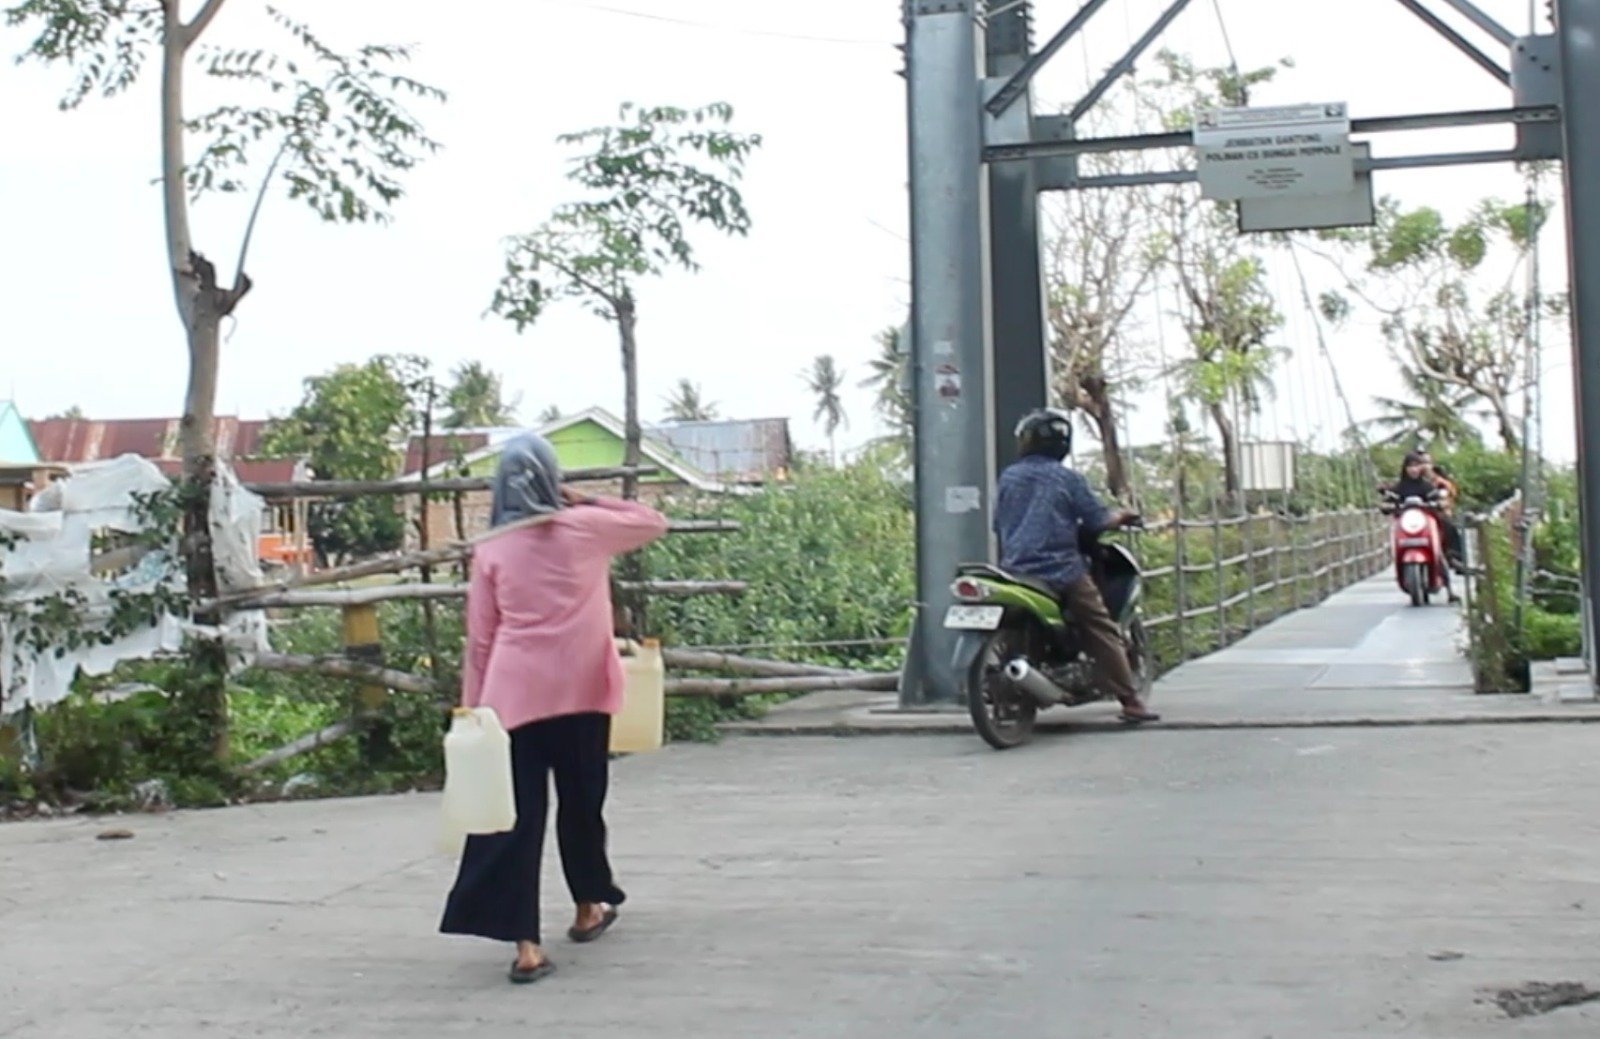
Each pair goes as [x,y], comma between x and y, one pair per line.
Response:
[1046,431]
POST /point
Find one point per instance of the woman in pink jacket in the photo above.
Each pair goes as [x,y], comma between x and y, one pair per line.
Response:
[540,652]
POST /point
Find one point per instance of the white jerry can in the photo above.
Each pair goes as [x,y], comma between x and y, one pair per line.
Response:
[640,724]
[479,795]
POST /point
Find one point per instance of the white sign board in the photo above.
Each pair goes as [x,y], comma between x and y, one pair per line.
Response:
[1272,152]
[1354,208]
[1267,465]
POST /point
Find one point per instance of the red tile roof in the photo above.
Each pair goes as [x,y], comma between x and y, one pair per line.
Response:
[89,440]
[443,447]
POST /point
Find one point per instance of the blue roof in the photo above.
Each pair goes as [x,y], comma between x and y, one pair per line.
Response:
[16,443]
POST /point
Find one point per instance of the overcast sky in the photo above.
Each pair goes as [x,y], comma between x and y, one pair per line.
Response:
[87,316]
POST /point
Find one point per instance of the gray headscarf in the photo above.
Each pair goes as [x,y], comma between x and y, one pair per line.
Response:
[528,482]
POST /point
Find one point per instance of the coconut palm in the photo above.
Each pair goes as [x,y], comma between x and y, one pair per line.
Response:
[825,379]
[477,398]
[1433,412]
[688,404]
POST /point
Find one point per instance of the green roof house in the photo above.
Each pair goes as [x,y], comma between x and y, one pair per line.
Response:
[591,439]
[16,442]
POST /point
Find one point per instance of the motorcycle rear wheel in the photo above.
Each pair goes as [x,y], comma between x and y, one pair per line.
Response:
[1002,713]
[1142,656]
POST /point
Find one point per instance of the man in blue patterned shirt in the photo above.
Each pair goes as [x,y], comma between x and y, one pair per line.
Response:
[1040,506]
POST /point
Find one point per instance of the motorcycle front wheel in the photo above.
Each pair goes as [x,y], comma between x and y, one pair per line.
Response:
[1416,583]
[1002,713]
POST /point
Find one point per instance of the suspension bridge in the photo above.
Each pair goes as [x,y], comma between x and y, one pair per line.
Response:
[1361,843]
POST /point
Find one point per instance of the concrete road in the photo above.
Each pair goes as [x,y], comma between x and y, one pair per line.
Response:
[1298,884]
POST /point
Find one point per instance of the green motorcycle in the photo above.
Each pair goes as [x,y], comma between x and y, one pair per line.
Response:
[1019,652]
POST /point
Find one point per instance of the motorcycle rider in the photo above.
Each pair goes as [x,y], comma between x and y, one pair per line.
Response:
[1450,494]
[1040,507]
[1417,480]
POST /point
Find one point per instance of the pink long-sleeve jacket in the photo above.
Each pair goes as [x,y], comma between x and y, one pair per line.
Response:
[539,620]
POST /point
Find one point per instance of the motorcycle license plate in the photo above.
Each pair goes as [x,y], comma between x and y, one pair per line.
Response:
[974,618]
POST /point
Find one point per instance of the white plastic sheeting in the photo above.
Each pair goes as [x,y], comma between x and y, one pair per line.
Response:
[53,552]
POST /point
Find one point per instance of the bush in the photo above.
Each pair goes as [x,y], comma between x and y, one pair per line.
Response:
[828,558]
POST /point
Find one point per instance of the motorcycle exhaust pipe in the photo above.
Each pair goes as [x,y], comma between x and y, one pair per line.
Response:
[1025,677]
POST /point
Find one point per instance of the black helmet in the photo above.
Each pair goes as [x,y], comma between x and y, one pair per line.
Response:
[1047,431]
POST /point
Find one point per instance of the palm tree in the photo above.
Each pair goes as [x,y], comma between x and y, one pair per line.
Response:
[1436,412]
[688,404]
[824,379]
[477,398]
[890,370]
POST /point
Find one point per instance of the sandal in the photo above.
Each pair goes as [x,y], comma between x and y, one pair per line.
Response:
[589,934]
[528,975]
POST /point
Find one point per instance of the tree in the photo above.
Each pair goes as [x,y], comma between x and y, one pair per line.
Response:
[339,137]
[1098,271]
[1100,262]
[1432,413]
[72,414]
[1229,317]
[825,379]
[477,398]
[891,379]
[349,425]
[1455,334]
[1229,311]
[688,404]
[550,414]
[1458,340]
[649,177]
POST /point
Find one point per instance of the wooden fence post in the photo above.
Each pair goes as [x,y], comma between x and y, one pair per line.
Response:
[1220,572]
[363,641]
[1294,558]
[1248,530]
[1180,558]
[1275,525]
[1341,534]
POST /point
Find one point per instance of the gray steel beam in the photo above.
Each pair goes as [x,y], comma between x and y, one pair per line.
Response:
[1460,42]
[1396,162]
[1578,26]
[1505,37]
[1021,370]
[1020,362]
[949,330]
[1377,124]
[1018,83]
[1008,36]
[1125,64]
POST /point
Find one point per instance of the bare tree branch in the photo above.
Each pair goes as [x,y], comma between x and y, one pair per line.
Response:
[200,22]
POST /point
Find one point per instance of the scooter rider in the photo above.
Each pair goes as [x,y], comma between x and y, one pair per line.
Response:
[1040,506]
[1417,481]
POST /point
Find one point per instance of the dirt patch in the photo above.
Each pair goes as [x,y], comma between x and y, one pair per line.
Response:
[1539,997]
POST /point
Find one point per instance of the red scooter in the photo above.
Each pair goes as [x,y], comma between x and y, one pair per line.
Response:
[1419,558]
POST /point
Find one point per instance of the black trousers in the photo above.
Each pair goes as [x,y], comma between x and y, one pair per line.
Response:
[496,894]
[1452,537]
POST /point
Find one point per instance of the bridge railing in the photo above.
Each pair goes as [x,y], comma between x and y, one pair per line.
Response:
[1210,582]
